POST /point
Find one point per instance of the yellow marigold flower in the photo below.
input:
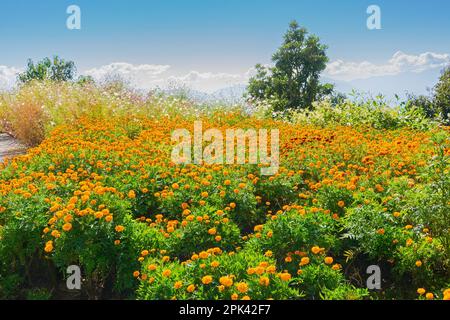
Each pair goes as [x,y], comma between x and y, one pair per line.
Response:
[215,264]
[421,291]
[245,298]
[178,284]
[204,194]
[429,296]
[418,263]
[207,279]
[131,194]
[218,238]
[268,253]
[242,287]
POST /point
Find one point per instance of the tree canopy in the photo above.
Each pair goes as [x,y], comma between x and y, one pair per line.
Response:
[55,69]
[293,81]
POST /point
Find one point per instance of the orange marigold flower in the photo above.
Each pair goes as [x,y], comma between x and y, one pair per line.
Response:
[315,249]
[190,288]
[304,261]
[226,281]
[242,287]
[207,279]
[285,276]
[264,281]
[215,264]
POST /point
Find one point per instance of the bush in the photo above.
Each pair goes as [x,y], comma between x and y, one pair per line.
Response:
[212,274]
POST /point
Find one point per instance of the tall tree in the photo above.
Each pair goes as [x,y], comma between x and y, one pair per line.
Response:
[293,81]
[55,69]
[442,95]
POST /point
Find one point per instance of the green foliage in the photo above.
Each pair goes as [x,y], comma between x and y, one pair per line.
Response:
[297,231]
[372,112]
[157,284]
[319,281]
[55,69]
[442,95]
[294,80]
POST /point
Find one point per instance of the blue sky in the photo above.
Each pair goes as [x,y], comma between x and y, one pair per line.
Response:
[210,44]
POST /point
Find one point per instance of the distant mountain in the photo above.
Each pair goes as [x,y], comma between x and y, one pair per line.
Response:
[229,95]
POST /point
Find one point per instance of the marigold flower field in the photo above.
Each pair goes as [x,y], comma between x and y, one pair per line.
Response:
[104,195]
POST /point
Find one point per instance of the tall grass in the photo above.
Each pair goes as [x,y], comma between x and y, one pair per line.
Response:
[30,111]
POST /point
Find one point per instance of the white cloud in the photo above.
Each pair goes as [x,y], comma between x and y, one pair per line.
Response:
[8,76]
[142,75]
[146,76]
[209,81]
[399,63]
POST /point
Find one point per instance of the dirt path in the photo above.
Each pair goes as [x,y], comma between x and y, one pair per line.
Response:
[9,146]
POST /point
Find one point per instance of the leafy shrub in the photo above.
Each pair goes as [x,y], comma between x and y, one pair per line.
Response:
[213,274]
